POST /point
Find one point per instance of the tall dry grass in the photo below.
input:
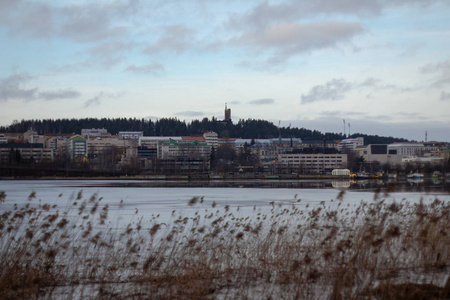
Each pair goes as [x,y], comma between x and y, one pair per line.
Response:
[378,250]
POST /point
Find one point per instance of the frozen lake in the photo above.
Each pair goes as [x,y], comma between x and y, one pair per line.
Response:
[131,200]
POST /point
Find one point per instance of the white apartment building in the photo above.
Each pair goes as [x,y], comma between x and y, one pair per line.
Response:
[349,145]
[312,163]
[407,149]
[130,135]
[211,138]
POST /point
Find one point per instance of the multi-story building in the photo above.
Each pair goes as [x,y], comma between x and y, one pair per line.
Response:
[349,145]
[380,153]
[130,135]
[407,149]
[77,146]
[94,132]
[399,153]
[32,137]
[211,138]
[311,163]
[320,144]
[27,151]
[57,142]
[175,149]
[98,147]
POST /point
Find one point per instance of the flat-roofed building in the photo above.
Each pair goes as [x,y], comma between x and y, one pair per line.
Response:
[152,141]
[312,163]
[130,135]
[211,138]
[177,149]
[76,146]
[408,149]
[94,132]
[349,145]
[380,153]
[320,144]
[35,151]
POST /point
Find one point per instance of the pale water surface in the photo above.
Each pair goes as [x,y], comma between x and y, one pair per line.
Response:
[129,201]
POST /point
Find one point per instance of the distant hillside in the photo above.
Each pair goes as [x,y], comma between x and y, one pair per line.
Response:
[247,129]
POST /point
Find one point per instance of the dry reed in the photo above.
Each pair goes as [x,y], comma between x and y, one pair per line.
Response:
[378,250]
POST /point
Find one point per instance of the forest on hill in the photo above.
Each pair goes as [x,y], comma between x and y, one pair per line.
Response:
[247,129]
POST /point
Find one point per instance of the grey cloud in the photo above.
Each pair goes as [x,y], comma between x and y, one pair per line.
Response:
[11,88]
[441,70]
[87,24]
[334,89]
[62,94]
[100,96]
[413,116]
[234,102]
[265,13]
[27,18]
[288,39]
[369,82]
[437,67]
[94,101]
[190,113]
[176,38]
[262,101]
[154,68]
[107,54]
[96,21]
[445,96]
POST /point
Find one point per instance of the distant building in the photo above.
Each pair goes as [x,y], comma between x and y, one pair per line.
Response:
[175,153]
[32,137]
[311,163]
[130,135]
[94,132]
[319,144]
[3,139]
[211,138]
[35,151]
[77,146]
[407,149]
[175,149]
[57,142]
[349,145]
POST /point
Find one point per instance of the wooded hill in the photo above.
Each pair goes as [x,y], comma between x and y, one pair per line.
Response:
[247,129]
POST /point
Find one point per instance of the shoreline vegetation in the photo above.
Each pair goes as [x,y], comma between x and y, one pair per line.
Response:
[375,250]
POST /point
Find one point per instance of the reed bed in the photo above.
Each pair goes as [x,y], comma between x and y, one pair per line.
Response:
[377,250]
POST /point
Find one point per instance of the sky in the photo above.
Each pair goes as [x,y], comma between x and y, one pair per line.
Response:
[374,67]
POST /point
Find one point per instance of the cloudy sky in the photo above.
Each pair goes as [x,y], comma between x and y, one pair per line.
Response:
[382,65]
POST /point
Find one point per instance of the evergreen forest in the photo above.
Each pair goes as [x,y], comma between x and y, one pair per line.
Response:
[246,129]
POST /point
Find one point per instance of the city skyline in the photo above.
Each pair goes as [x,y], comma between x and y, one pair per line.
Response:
[383,66]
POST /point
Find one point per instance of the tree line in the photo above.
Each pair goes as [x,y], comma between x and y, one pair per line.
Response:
[246,129]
